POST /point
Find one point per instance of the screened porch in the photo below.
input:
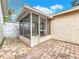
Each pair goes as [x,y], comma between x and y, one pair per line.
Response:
[34,26]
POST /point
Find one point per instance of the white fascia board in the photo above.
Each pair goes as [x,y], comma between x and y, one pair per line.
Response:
[37,11]
[20,12]
[70,10]
[25,8]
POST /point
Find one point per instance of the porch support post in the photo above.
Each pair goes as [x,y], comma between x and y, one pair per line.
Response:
[46,26]
[23,26]
[30,27]
[39,27]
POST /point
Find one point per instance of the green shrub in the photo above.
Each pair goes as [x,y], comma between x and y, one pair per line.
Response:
[6,19]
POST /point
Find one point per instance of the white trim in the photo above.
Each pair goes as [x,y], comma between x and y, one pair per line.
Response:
[43,30]
[41,13]
[30,25]
[46,26]
[43,17]
[23,28]
[39,25]
[33,9]
[22,9]
[67,11]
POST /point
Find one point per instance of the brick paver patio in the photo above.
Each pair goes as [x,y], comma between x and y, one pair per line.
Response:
[50,49]
[53,49]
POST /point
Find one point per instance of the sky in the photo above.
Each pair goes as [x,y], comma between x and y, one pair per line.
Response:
[47,6]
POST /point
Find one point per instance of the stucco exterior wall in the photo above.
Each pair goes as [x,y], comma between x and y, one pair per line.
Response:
[65,27]
[1,24]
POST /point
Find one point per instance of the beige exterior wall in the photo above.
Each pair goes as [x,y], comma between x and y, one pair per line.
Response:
[65,27]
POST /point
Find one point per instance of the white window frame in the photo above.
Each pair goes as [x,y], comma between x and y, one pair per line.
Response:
[45,30]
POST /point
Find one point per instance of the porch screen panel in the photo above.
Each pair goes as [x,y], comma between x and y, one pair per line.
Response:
[42,27]
[21,27]
[48,27]
[27,26]
[34,24]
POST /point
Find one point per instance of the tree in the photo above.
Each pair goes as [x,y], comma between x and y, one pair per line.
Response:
[75,3]
[10,11]
[3,17]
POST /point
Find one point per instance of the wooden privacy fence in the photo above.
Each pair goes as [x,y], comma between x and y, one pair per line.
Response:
[11,30]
